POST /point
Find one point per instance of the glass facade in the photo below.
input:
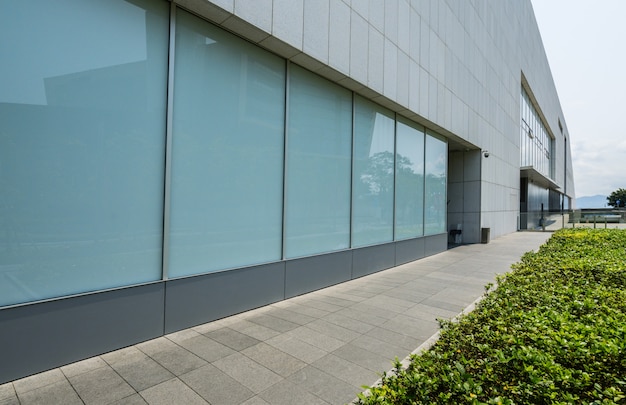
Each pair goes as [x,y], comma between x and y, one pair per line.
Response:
[436,164]
[82,145]
[409,204]
[373,175]
[267,162]
[319,143]
[227,151]
[535,141]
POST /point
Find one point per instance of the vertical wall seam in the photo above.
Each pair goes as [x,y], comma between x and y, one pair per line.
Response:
[351,221]
[395,177]
[395,188]
[168,158]
[283,245]
[168,143]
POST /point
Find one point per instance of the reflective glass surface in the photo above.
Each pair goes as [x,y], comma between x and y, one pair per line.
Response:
[409,181]
[82,135]
[227,151]
[373,175]
[435,185]
[318,165]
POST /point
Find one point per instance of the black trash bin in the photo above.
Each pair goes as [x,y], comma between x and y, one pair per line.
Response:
[484,235]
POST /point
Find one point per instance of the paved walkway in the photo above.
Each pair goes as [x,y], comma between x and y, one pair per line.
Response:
[318,348]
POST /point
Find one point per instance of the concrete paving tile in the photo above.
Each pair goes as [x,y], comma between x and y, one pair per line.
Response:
[38,380]
[253,312]
[369,284]
[303,309]
[426,287]
[375,310]
[277,361]
[429,313]
[256,400]
[83,366]
[248,372]
[346,371]
[297,348]
[182,335]
[7,390]
[142,373]
[129,355]
[375,284]
[285,303]
[361,315]
[153,346]
[287,315]
[333,330]
[348,323]
[319,303]
[401,274]
[406,342]
[288,393]
[101,386]
[277,324]
[383,348]
[134,399]
[438,303]
[379,283]
[460,296]
[339,296]
[206,348]
[358,292]
[315,338]
[207,327]
[226,322]
[407,294]
[58,393]
[413,327]
[452,276]
[178,360]
[364,358]
[170,392]
[388,303]
[254,330]
[10,401]
[215,386]
[324,386]
[232,338]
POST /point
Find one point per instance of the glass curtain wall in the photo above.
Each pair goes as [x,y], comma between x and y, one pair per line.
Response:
[82,154]
[409,218]
[82,135]
[227,151]
[373,175]
[436,164]
[535,141]
[319,148]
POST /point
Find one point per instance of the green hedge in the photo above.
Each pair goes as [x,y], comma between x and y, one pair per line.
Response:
[552,332]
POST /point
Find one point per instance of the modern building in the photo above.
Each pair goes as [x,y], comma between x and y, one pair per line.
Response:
[164,164]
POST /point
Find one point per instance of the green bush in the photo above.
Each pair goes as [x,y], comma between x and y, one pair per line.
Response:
[552,332]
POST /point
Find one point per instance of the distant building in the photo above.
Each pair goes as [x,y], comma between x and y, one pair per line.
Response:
[164,164]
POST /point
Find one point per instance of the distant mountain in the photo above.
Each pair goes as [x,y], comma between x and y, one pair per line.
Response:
[594,201]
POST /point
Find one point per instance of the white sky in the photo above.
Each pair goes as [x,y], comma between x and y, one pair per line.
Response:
[585,41]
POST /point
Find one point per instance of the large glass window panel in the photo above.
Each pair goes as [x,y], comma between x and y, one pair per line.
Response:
[409,181]
[538,149]
[318,165]
[373,174]
[435,185]
[82,135]
[227,157]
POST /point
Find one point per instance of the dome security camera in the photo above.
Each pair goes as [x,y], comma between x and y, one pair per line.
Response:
[486,153]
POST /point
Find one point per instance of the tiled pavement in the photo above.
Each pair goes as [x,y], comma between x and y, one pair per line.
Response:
[318,348]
